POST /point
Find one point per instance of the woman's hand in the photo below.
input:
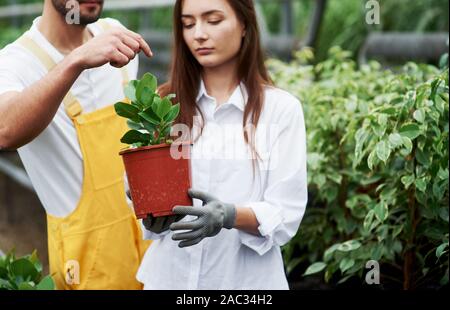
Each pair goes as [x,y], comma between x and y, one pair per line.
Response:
[212,217]
[158,225]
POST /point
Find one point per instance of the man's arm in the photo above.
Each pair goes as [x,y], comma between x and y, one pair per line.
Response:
[24,115]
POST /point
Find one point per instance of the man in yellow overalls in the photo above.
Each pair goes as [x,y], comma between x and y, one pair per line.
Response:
[58,84]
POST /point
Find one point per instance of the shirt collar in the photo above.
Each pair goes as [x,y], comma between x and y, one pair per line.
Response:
[238,98]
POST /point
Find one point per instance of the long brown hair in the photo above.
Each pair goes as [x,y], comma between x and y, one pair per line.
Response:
[185,75]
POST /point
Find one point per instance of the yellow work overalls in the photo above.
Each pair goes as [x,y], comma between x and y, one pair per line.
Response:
[99,245]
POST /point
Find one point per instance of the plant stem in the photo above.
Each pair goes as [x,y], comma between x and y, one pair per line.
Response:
[408,264]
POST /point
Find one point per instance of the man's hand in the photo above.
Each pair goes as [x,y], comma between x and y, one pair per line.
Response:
[212,217]
[117,46]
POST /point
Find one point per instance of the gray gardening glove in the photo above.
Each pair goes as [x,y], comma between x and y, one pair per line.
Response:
[212,217]
[158,224]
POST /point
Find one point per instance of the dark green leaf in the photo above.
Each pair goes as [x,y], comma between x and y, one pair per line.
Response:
[24,269]
[134,136]
[127,110]
[150,116]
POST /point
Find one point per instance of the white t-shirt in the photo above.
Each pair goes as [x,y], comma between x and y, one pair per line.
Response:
[53,160]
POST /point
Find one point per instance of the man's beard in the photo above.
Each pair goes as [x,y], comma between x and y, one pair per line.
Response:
[86,17]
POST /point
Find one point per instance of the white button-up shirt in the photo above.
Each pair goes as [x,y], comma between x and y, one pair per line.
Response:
[221,166]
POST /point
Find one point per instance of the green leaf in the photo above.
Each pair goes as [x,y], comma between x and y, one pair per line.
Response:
[130,90]
[383,151]
[421,184]
[3,272]
[134,136]
[423,157]
[389,111]
[330,251]
[382,119]
[408,146]
[395,140]
[349,245]
[441,250]
[368,220]
[410,131]
[147,97]
[163,108]
[443,174]
[46,284]
[173,113]
[419,115]
[148,81]
[151,128]
[335,177]
[26,286]
[371,160]
[133,125]
[346,264]
[381,211]
[127,110]
[443,214]
[24,269]
[150,116]
[407,180]
[315,268]
[35,260]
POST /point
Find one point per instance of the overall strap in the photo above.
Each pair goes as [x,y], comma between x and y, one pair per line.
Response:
[71,104]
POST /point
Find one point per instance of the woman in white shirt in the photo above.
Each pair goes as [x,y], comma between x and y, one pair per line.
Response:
[249,182]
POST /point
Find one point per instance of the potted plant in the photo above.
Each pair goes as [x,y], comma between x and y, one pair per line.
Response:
[23,273]
[158,180]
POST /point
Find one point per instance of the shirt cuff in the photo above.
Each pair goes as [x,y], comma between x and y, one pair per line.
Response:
[269,218]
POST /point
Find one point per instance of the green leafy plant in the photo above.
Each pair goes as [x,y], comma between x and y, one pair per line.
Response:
[23,273]
[150,117]
[377,170]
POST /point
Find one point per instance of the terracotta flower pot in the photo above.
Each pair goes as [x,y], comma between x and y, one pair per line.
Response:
[158,181]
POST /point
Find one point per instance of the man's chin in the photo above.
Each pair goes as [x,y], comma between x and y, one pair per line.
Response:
[89,19]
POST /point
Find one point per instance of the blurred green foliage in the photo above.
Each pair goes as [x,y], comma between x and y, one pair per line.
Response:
[377,170]
[344,23]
